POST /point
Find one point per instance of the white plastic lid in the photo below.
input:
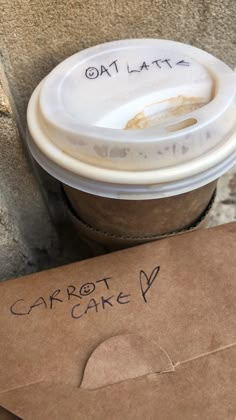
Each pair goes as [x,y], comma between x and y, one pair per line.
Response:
[135,119]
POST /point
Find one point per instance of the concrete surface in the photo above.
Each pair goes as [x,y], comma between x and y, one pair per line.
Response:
[27,235]
[29,240]
[35,36]
[224,208]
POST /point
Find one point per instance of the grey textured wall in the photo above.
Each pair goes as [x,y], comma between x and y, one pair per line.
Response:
[39,34]
[35,36]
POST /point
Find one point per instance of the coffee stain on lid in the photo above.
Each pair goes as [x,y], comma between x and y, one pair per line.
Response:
[154,113]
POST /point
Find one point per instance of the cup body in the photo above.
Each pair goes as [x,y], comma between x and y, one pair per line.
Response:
[110,224]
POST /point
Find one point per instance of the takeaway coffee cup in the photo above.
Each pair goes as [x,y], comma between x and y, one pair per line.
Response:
[138,132]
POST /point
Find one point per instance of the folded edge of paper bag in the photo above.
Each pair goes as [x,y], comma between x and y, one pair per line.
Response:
[200,388]
[7,415]
[9,397]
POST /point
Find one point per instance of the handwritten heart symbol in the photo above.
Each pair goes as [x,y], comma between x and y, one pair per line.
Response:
[146,282]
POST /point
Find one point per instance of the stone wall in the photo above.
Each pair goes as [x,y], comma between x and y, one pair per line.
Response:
[35,36]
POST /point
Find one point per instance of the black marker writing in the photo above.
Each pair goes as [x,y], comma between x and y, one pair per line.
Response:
[183,63]
[15,309]
[147,281]
[21,307]
[104,70]
[92,304]
[54,298]
[87,289]
[73,312]
[91,73]
[81,309]
[114,63]
[105,281]
[95,72]
[106,301]
[167,61]
[112,69]
[121,297]
[40,301]
[144,66]
[132,71]
[157,63]
[87,304]
[71,292]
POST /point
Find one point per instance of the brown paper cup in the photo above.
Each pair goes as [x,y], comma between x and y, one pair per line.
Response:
[138,141]
[108,224]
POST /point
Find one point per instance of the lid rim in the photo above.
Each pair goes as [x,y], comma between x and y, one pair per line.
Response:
[81,168]
[118,191]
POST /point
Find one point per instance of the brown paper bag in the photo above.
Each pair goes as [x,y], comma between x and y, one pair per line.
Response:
[148,332]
